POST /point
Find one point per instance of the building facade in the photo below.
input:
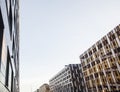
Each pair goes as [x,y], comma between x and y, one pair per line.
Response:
[9,45]
[101,64]
[36,90]
[69,79]
[44,88]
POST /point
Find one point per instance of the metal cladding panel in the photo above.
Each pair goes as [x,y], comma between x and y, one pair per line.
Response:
[9,44]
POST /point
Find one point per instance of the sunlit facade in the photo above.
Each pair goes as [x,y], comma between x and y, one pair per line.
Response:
[101,64]
[69,79]
[9,45]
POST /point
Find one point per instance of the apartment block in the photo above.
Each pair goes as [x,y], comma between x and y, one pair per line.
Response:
[101,64]
[69,79]
[9,45]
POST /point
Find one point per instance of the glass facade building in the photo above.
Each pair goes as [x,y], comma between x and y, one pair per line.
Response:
[101,64]
[9,45]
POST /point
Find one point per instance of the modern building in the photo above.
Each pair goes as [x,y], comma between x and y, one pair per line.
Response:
[69,79]
[9,45]
[101,64]
[44,88]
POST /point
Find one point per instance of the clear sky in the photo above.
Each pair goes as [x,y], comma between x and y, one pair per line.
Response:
[54,33]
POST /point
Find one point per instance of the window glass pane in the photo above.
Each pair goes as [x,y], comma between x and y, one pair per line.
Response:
[8,4]
[4,53]
[10,77]
[1,32]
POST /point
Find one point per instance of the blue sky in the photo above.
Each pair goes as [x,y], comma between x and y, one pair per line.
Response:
[53,33]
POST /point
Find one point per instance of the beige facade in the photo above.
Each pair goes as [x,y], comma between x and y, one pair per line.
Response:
[44,88]
[101,64]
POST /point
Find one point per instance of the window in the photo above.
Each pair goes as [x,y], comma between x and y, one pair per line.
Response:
[7,69]
[116,73]
[97,81]
[99,67]
[94,49]
[90,53]
[1,31]
[96,75]
[90,70]
[114,44]
[117,50]
[104,81]
[10,19]
[99,46]
[3,60]
[105,42]
[109,53]
[86,55]
[93,63]
[88,66]
[10,77]
[8,5]
[118,31]
[110,80]
[13,2]
[99,87]
[94,68]
[97,61]
[12,83]
[91,76]
[9,9]
[106,65]
[9,72]
[118,80]
[111,36]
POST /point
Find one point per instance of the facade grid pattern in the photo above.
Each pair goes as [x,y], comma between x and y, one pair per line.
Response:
[67,80]
[9,46]
[101,64]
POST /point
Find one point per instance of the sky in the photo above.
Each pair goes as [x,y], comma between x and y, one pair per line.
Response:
[54,33]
